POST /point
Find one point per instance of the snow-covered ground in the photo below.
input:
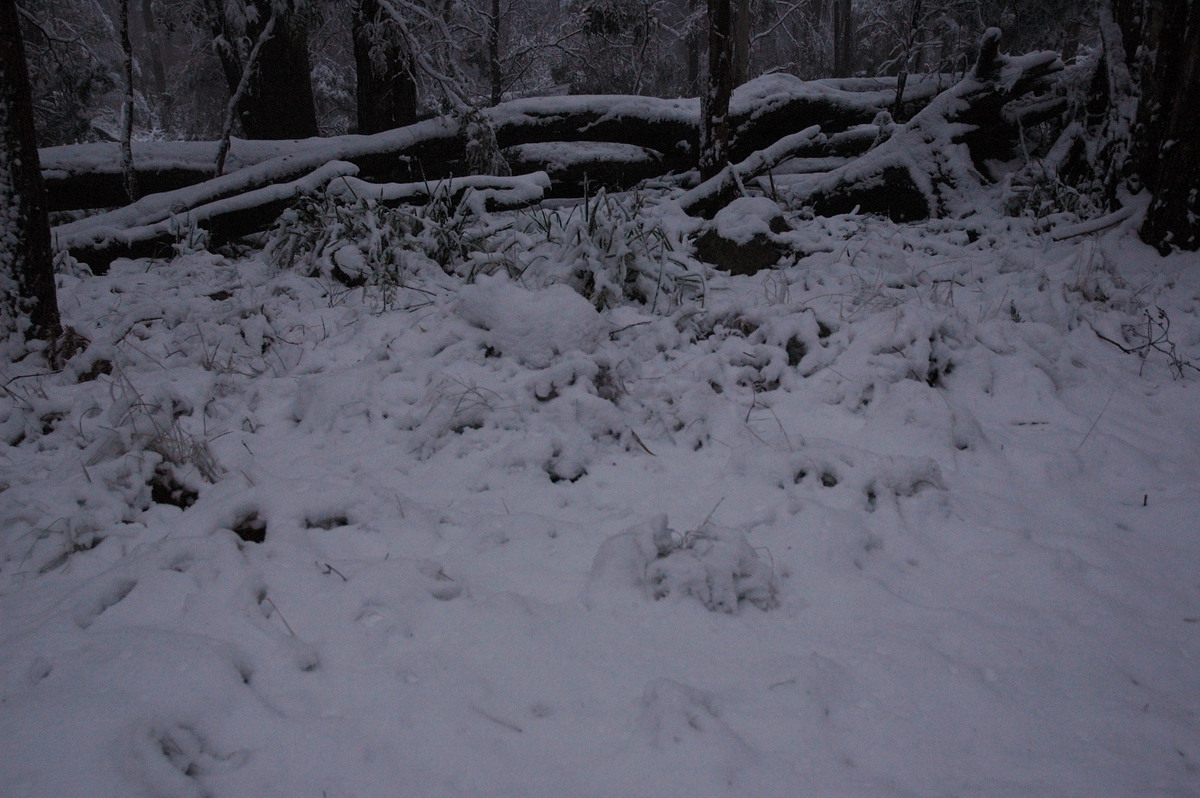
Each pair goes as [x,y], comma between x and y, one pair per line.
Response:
[893,521]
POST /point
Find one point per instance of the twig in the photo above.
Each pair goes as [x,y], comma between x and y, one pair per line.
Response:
[327,569]
[639,442]
[499,721]
[1097,421]
[275,606]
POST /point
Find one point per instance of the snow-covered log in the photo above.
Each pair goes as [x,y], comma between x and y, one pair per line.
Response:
[931,165]
[484,193]
[579,168]
[724,187]
[221,220]
[84,176]
[230,218]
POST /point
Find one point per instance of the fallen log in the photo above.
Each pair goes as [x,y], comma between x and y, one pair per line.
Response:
[222,220]
[581,168]
[482,193]
[719,190]
[85,176]
[932,166]
[762,108]
[231,218]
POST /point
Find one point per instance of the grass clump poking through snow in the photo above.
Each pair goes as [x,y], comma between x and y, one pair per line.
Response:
[609,249]
[619,253]
[363,243]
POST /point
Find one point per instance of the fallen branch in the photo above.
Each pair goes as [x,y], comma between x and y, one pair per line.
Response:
[89,176]
[222,220]
[485,192]
[1093,225]
[1155,336]
[932,165]
[721,189]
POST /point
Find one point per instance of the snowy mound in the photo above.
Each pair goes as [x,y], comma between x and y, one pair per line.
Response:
[931,493]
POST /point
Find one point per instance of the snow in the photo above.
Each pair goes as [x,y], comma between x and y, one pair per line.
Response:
[105,157]
[746,217]
[515,190]
[559,156]
[894,520]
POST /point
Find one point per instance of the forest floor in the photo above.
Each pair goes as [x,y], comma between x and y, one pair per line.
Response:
[895,520]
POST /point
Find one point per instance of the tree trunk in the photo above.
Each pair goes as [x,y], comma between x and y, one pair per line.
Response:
[387,90]
[1168,122]
[248,68]
[714,122]
[741,42]
[278,102]
[28,298]
[1157,71]
[131,187]
[495,72]
[694,47]
[843,39]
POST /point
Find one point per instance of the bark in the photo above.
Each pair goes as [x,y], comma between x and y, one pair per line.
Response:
[740,53]
[714,113]
[248,69]
[843,39]
[28,298]
[278,101]
[1160,74]
[386,90]
[131,187]
[1173,171]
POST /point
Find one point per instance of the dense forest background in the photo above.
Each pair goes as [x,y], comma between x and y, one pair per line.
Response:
[335,64]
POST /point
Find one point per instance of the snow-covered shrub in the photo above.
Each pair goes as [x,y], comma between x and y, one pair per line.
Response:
[365,243]
[153,425]
[310,236]
[1039,193]
[717,567]
[616,253]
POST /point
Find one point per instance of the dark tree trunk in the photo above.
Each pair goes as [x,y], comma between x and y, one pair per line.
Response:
[387,90]
[278,103]
[131,187]
[843,39]
[1167,121]
[694,45]
[28,299]
[714,122]
[740,58]
[495,71]
[1159,73]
